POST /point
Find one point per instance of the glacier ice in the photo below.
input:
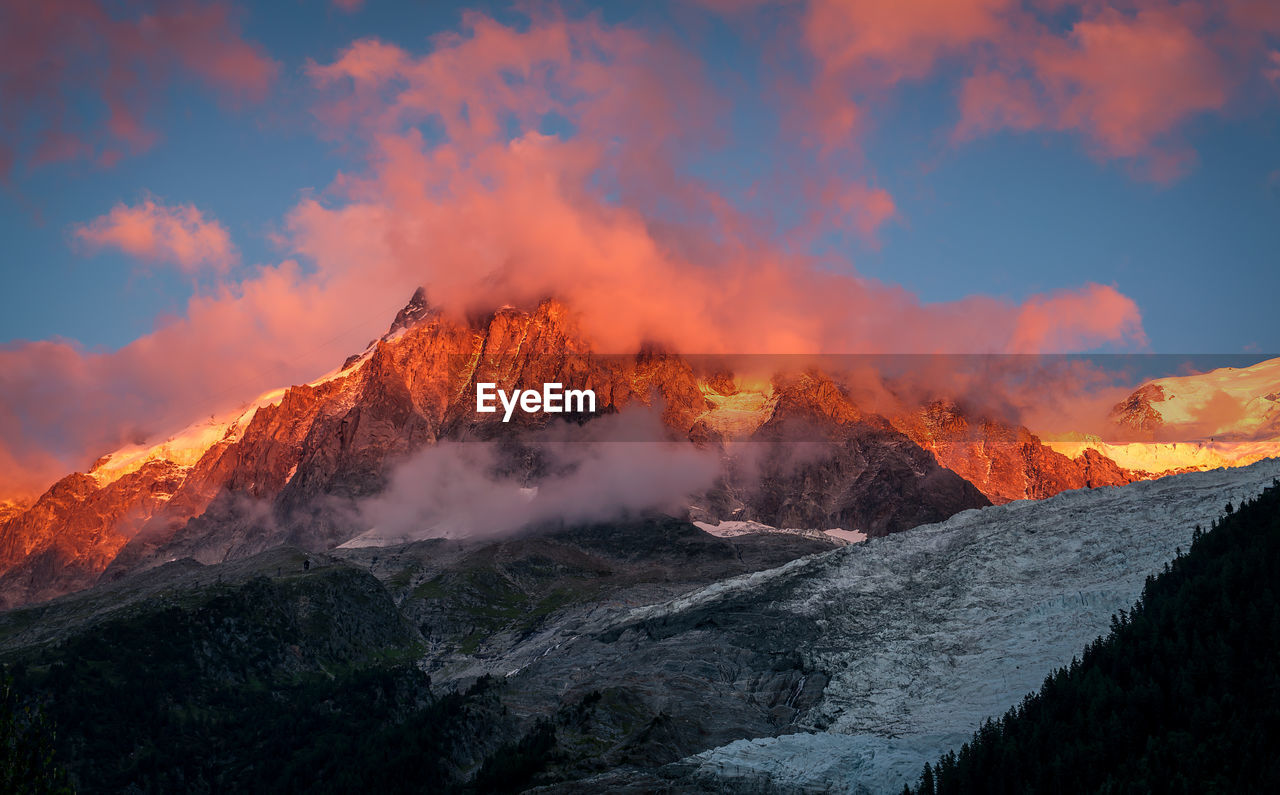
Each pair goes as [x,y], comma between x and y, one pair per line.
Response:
[929,632]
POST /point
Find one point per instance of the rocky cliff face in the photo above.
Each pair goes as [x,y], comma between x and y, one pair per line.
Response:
[1137,412]
[797,452]
[817,461]
[65,540]
[1006,462]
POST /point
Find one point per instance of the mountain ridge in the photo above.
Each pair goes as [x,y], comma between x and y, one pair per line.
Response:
[293,465]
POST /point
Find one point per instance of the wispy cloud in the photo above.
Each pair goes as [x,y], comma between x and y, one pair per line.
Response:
[174,235]
[56,54]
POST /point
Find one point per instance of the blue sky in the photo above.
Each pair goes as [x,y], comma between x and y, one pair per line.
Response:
[1010,214]
[767,176]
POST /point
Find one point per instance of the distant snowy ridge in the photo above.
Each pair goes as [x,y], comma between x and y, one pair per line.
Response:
[1229,400]
[188,445]
[1157,457]
[1225,417]
[929,632]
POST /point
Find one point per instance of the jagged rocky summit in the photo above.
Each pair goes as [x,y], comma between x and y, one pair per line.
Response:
[291,466]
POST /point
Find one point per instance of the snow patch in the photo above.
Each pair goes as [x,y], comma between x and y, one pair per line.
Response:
[188,446]
[847,536]
[740,414]
[730,529]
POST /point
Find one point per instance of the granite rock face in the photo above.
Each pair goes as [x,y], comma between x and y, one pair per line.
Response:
[1006,462]
[817,461]
[1136,412]
[67,537]
[293,468]
[665,658]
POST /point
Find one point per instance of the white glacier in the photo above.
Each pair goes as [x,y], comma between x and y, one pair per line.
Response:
[929,632]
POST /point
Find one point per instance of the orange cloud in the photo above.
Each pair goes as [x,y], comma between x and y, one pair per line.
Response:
[1083,319]
[497,212]
[1127,83]
[1272,71]
[466,192]
[866,208]
[1125,76]
[155,233]
[56,54]
[891,40]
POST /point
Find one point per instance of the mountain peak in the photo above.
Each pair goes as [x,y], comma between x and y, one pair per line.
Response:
[415,310]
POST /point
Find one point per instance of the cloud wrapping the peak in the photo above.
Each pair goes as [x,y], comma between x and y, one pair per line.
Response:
[503,165]
[495,211]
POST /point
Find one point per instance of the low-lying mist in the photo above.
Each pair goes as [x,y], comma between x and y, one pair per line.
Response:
[612,467]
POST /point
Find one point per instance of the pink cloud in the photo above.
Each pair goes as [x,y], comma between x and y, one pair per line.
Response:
[866,208]
[1128,83]
[55,55]
[890,40]
[152,232]
[1127,77]
[497,213]
[1128,80]
[1125,83]
[990,101]
[1082,319]
[365,62]
[492,212]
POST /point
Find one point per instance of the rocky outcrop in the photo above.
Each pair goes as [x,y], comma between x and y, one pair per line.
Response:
[1136,412]
[304,457]
[797,451]
[1233,404]
[65,540]
[1006,462]
[819,462]
[337,650]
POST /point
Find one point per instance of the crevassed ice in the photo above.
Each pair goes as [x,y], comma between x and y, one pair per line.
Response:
[929,632]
